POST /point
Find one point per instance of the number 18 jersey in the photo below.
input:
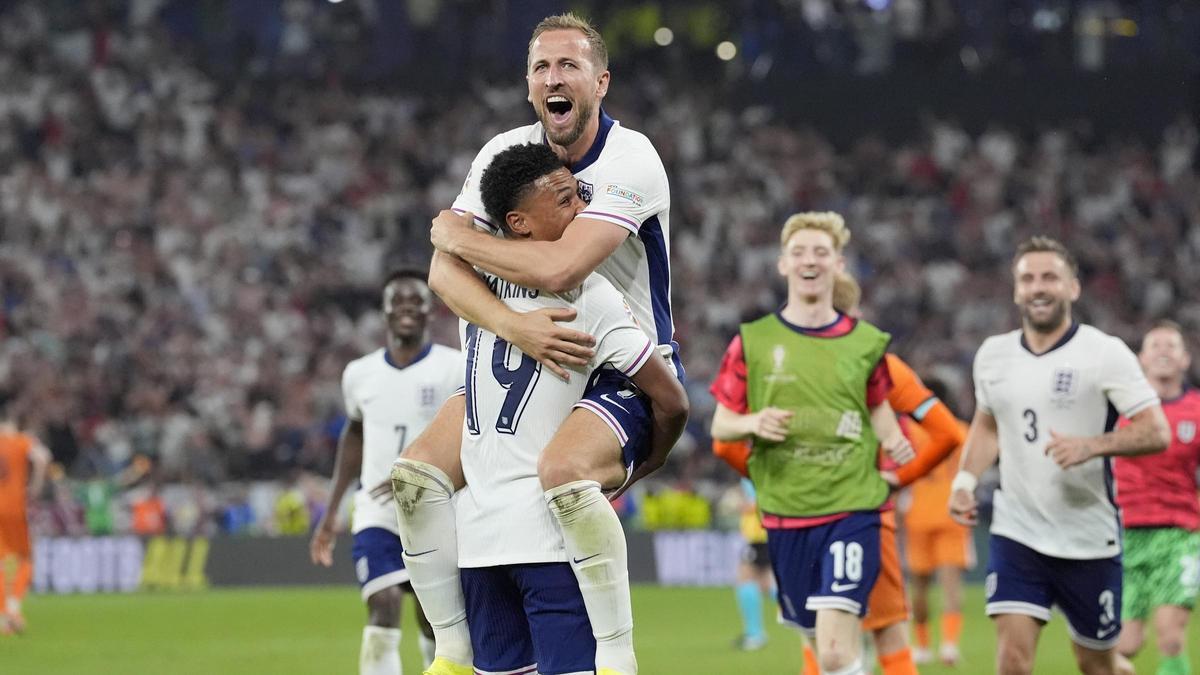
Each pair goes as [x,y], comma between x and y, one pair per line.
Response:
[1077,388]
[513,409]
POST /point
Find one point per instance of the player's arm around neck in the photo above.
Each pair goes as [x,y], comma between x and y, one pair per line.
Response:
[347,464]
[554,266]
[1146,433]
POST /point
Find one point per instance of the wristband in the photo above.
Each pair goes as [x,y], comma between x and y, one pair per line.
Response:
[964,480]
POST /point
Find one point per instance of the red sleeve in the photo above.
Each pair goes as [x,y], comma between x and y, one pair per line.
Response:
[729,387]
[879,385]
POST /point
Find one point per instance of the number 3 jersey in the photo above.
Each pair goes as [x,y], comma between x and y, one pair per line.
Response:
[514,406]
[395,403]
[1077,388]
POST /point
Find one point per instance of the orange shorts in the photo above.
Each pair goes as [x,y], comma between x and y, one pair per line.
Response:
[947,546]
[888,603]
[14,536]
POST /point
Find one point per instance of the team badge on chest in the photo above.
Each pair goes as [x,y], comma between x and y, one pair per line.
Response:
[1063,386]
[1185,431]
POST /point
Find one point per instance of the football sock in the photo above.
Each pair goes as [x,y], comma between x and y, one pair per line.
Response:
[427,648]
[425,511]
[899,662]
[596,545]
[1174,665]
[811,665]
[750,604]
[380,654]
[951,627]
[922,632]
[23,577]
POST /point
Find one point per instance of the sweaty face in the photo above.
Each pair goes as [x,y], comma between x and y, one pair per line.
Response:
[1163,354]
[550,206]
[564,85]
[1044,289]
[406,307]
[810,262]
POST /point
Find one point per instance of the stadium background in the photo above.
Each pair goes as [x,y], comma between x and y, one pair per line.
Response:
[199,198]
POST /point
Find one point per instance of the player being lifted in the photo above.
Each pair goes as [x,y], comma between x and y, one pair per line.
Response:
[810,384]
[623,235]
[523,602]
[390,396]
[1046,399]
[1157,496]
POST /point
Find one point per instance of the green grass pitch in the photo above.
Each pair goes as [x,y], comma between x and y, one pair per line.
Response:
[317,630]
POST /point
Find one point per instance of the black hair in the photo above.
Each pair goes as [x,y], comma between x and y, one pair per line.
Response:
[405,273]
[510,176]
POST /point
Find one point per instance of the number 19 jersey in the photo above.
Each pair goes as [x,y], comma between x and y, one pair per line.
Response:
[1077,388]
[513,409]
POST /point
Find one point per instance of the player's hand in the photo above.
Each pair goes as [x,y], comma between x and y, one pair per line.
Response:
[538,334]
[320,548]
[1069,451]
[899,449]
[891,479]
[447,227]
[771,424]
[963,507]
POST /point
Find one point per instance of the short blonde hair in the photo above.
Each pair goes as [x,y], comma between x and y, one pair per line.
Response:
[572,21]
[826,221]
[846,293]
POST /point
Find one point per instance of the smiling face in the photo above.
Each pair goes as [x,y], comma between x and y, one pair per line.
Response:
[1043,290]
[565,86]
[810,262]
[1164,356]
[549,205]
[406,306]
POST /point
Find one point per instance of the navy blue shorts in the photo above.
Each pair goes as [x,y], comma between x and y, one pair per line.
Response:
[830,566]
[625,409]
[528,618]
[1022,581]
[378,560]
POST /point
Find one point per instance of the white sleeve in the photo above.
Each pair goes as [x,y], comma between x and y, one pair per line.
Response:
[981,397]
[632,189]
[1123,381]
[353,408]
[470,198]
[619,341]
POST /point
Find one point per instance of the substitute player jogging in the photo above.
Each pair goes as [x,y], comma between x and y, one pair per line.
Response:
[1047,398]
[1157,495]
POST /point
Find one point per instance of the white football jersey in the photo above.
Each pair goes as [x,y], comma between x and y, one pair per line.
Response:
[1077,388]
[624,183]
[514,407]
[395,404]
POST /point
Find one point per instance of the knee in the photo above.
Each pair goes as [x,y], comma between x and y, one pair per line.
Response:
[383,607]
[1012,659]
[558,468]
[835,658]
[1170,642]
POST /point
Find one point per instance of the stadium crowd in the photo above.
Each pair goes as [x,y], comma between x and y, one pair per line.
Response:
[190,256]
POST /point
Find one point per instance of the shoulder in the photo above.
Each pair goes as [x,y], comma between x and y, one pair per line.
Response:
[632,150]
[443,354]
[999,345]
[871,329]
[362,365]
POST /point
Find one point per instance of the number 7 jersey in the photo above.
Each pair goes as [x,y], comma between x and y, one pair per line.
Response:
[1077,388]
[514,407]
[394,402]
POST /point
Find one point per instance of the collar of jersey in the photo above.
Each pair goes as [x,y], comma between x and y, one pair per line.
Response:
[387,356]
[1061,341]
[820,331]
[593,153]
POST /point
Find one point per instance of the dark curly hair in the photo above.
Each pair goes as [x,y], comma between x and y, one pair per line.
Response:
[510,176]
